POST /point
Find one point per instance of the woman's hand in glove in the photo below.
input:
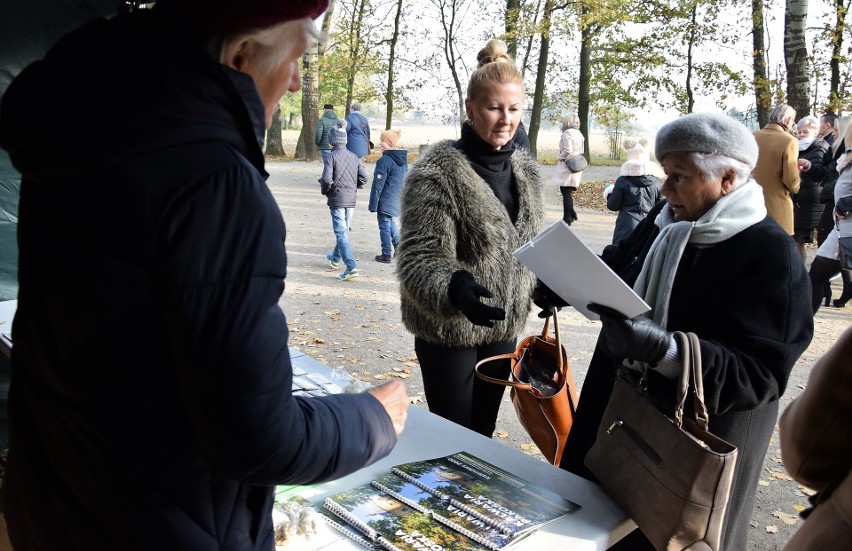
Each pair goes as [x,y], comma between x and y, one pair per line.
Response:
[639,338]
[549,302]
[465,293]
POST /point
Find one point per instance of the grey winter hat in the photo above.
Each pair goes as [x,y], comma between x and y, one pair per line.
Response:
[337,135]
[707,133]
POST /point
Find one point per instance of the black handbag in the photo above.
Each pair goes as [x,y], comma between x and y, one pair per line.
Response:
[577,163]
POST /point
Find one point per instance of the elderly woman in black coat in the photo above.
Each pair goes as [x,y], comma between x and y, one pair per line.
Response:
[709,261]
[807,208]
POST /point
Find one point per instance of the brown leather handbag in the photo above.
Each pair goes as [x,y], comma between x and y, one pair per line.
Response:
[668,472]
[543,390]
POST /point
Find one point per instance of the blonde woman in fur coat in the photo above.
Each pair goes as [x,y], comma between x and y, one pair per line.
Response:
[466,205]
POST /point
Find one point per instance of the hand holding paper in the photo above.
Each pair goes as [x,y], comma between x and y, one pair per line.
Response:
[570,269]
[638,338]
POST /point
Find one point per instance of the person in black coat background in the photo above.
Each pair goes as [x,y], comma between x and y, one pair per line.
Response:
[826,197]
[151,402]
[807,208]
[709,261]
[636,190]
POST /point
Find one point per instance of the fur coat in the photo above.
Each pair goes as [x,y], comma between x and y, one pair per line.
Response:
[451,220]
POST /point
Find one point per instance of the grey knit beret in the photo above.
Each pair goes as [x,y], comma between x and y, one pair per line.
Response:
[707,133]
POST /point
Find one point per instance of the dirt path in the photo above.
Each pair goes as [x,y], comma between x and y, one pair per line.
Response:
[356,325]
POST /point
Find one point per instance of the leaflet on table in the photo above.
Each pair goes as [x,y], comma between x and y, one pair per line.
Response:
[443,511]
[487,492]
[348,531]
[394,525]
[313,384]
[300,527]
[559,258]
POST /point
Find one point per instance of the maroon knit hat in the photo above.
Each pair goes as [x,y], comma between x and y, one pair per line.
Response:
[213,17]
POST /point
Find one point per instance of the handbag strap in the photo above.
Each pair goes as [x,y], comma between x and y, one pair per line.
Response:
[561,364]
[512,357]
[689,347]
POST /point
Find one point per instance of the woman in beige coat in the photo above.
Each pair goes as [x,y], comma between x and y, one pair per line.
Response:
[570,145]
[816,446]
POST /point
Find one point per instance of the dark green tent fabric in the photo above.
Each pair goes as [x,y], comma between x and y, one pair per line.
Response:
[27,29]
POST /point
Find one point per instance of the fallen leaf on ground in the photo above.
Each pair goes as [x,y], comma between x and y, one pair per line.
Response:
[771,529]
[807,491]
[501,434]
[786,518]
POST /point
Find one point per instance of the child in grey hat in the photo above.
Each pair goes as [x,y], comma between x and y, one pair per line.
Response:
[342,176]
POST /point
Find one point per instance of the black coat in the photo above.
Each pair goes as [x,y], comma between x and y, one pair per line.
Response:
[806,204]
[748,300]
[633,197]
[150,404]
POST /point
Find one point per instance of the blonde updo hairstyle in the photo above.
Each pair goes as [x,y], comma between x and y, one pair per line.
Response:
[494,64]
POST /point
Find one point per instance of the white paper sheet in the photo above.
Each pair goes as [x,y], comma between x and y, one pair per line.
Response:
[574,272]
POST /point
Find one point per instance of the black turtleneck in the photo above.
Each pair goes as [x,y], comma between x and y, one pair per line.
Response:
[493,166]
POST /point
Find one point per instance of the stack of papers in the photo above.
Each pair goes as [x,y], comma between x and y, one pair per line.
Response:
[573,271]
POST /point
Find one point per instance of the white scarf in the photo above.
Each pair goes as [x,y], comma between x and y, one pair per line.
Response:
[742,208]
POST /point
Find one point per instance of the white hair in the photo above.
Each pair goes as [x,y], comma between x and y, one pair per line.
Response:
[273,43]
[809,122]
[781,113]
[714,166]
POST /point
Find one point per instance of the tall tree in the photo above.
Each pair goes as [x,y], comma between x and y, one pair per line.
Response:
[274,144]
[796,56]
[390,89]
[691,29]
[762,91]
[588,29]
[355,46]
[841,8]
[513,10]
[540,77]
[450,16]
[305,147]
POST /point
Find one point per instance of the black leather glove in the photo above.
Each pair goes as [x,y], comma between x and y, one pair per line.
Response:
[464,293]
[639,338]
[544,297]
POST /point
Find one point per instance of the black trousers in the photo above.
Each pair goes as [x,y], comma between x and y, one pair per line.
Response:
[568,212]
[821,271]
[454,392]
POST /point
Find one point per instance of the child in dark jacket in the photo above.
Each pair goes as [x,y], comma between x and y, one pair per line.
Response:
[635,191]
[387,186]
[342,176]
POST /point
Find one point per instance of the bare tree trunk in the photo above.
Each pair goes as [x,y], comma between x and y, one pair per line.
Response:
[796,56]
[762,93]
[274,145]
[586,37]
[389,93]
[513,9]
[355,44]
[540,78]
[305,147]
[524,64]
[448,25]
[836,53]
[690,99]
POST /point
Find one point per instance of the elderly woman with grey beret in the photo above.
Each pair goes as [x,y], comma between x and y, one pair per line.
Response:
[709,261]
